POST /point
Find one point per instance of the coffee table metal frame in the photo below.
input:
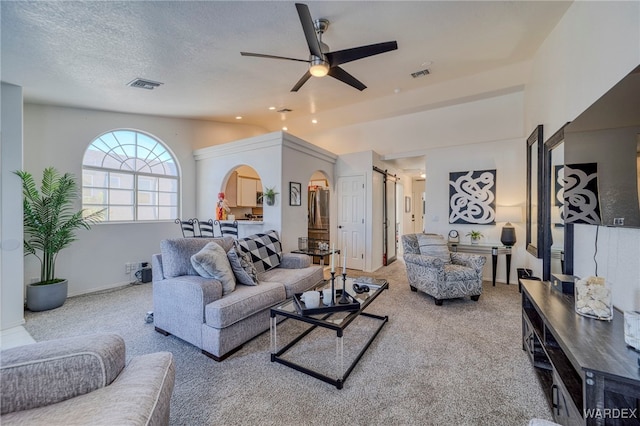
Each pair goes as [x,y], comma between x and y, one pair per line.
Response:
[321,320]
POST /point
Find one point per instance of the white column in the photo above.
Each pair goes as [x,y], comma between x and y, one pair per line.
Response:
[11,236]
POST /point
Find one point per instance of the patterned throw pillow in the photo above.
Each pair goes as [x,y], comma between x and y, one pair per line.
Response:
[435,246]
[243,267]
[265,250]
[212,262]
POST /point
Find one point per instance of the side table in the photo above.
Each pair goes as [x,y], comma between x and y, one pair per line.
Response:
[492,249]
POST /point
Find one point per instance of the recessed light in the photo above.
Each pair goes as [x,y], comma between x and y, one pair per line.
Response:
[314,121]
[285,128]
[271,108]
[238,117]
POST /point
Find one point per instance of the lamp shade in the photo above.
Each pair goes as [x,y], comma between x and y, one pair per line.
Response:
[509,214]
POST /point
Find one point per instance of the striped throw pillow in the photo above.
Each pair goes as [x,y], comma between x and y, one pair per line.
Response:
[435,246]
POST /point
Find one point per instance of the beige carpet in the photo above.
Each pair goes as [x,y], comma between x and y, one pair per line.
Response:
[457,364]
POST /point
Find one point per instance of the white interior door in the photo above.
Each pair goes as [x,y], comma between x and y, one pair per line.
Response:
[351,229]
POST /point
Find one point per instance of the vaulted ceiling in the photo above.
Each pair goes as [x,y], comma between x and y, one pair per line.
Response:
[83,54]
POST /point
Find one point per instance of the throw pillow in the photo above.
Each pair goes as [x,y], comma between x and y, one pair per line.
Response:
[435,246]
[265,250]
[242,267]
[212,262]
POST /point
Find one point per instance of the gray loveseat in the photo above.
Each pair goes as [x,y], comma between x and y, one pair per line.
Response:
[193,308]
[83,380]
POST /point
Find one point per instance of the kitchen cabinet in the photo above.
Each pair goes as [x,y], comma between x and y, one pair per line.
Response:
[247,189]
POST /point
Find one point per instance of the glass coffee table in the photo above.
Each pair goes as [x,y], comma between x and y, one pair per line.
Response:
[335,321]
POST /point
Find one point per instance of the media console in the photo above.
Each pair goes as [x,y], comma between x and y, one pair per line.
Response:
[588,373]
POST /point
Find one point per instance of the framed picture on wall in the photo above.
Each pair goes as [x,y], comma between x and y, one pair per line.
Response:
[295,194]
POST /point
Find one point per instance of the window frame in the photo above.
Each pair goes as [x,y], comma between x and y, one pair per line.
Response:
[135,175]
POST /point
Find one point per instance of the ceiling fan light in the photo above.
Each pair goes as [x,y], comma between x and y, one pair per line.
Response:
[319,69]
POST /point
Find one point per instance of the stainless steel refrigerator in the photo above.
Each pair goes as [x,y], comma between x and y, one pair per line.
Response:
[318,214]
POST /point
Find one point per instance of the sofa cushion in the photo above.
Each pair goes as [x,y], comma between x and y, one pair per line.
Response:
[212,262]
[265,250]
[243,267]
[435,246]
[242,303]
[177,252]
[294,280]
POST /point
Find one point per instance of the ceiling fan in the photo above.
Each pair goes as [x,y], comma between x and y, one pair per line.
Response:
[321,61]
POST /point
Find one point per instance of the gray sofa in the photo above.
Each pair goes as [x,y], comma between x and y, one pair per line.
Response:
[83,380]
[193,308]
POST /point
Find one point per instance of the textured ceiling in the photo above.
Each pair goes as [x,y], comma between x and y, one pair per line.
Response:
[83,54]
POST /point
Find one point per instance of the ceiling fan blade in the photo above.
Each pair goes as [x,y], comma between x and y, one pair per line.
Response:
[309,29]
[345,77]
[303,80]
[347,55]
[260,55]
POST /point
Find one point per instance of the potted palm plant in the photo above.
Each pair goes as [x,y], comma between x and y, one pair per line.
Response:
[50,223]
[269,195]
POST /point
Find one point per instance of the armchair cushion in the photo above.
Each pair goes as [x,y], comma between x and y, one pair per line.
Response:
[54,377]
[434,245]
[212,262]
[48,372]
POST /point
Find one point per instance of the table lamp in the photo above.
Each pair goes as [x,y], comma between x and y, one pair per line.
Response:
[508,214]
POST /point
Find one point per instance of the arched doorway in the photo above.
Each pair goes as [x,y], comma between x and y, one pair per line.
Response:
[243,193]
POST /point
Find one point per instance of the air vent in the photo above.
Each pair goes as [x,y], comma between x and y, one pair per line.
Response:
[420,73]
[141,83]
[283,110]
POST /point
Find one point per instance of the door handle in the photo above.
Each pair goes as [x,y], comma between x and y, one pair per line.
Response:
[339,226]
[555,399]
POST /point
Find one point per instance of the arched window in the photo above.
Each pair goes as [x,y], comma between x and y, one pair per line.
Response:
[132,175]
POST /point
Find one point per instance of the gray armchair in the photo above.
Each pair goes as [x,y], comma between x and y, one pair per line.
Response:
[430,273]
[84,381]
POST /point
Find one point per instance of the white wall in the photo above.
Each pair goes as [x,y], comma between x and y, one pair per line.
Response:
[493,118]
[593,47]
[507,158]
[473,128]
[300,160]
[279,158]
[11,252]
[58,136]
